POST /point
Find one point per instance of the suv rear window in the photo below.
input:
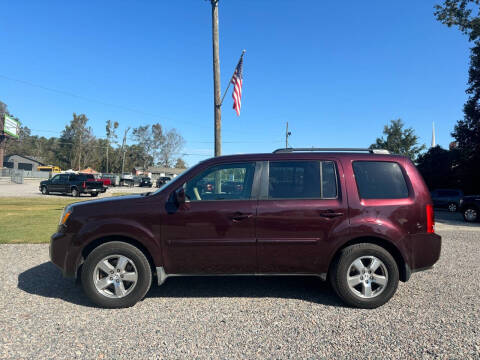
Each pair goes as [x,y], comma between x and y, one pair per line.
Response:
[380,180]
[302,180]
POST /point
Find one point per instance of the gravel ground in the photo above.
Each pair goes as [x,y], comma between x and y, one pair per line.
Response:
[30,189]
[435,315]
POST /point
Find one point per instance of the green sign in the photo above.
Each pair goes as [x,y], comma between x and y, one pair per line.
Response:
[11,127]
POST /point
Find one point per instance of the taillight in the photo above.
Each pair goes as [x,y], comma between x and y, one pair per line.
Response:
[430,219]
[84,185]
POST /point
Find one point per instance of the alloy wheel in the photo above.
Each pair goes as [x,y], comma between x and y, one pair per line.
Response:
[115,276]
[367,277]
[471,214]
[452,207]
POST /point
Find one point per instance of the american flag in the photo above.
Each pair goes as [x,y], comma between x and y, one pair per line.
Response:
[237,80]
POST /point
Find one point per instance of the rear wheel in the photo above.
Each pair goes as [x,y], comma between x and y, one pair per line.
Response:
[75,192]
[94,194]
[470,214]
[116,275]
[364,275]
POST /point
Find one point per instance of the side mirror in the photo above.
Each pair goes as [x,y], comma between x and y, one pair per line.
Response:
[180,196]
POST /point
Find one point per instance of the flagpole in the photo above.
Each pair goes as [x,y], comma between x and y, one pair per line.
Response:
[230,81]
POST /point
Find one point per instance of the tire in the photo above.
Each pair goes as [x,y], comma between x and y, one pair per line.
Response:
[94,194]
[359,296]
[470,214]
[45,190]
[75,192]
[452,207]
[112,296]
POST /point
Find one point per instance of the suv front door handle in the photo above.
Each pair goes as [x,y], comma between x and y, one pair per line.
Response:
[330,214]
[238,216]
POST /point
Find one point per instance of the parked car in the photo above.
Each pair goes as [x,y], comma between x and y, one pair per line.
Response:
[75,184]
[127,180]
[447,198]
[145,182]
[105,181]
[363,221]
[114,179]
[470,208]
[162,181]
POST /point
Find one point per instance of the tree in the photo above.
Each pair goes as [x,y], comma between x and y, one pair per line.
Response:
[465,15]
[158,147]
[180,164]
[439,168]
[111,136]
[172,144]
[74,140]
[459,13]
[399,140]
[150,141]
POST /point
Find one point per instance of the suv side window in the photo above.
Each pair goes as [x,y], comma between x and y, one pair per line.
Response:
[302,180]
[222,182]
[63,178]
[380,180]
[56,179]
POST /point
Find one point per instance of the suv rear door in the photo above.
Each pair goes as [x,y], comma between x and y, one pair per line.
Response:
[302,206]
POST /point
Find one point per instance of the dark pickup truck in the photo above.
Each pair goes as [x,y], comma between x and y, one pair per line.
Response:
[72,184]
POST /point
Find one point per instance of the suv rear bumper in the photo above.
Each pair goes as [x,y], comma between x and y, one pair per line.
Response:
[93,191]
[426,250]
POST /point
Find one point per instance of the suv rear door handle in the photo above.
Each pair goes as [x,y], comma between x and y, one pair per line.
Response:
[238,216]
[330,214]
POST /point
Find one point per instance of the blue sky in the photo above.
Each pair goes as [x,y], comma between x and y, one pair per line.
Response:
[336,71]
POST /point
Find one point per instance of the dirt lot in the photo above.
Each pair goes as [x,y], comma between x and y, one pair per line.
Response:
[30,189]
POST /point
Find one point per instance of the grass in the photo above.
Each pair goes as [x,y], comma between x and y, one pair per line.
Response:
[31,220]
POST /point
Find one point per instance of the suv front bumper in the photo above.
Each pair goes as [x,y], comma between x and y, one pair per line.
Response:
[60,255]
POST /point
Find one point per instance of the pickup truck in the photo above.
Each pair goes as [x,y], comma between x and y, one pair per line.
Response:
[75,184]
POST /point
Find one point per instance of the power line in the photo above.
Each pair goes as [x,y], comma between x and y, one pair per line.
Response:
[67,93]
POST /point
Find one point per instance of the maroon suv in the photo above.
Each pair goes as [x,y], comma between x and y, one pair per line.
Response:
[362,220]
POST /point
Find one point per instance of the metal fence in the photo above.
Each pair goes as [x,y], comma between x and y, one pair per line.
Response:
[18,176]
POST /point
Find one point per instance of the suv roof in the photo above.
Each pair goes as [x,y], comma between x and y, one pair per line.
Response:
[312,149]
[307,153]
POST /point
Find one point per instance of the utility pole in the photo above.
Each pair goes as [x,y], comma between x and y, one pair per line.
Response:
[123,148]
[3,137]
[216,80]
[287,134]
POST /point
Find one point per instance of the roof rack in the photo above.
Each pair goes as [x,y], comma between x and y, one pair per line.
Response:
[371,151]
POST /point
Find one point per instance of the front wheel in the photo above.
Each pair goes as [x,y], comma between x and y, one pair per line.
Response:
[44,190]
[470,214]
[94,194]
[116,275]
[365,276]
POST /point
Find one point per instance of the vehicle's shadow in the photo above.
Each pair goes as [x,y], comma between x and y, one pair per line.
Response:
[46,280]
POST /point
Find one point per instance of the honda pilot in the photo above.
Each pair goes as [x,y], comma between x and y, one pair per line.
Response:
[361,219]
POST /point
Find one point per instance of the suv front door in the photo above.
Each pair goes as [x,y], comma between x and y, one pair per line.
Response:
[213,232]
[302,206]
[56,184]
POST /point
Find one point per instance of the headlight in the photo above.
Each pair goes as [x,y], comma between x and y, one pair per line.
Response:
[65,215]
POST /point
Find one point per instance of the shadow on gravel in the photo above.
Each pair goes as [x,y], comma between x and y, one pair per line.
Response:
[306,288]
[47,281]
